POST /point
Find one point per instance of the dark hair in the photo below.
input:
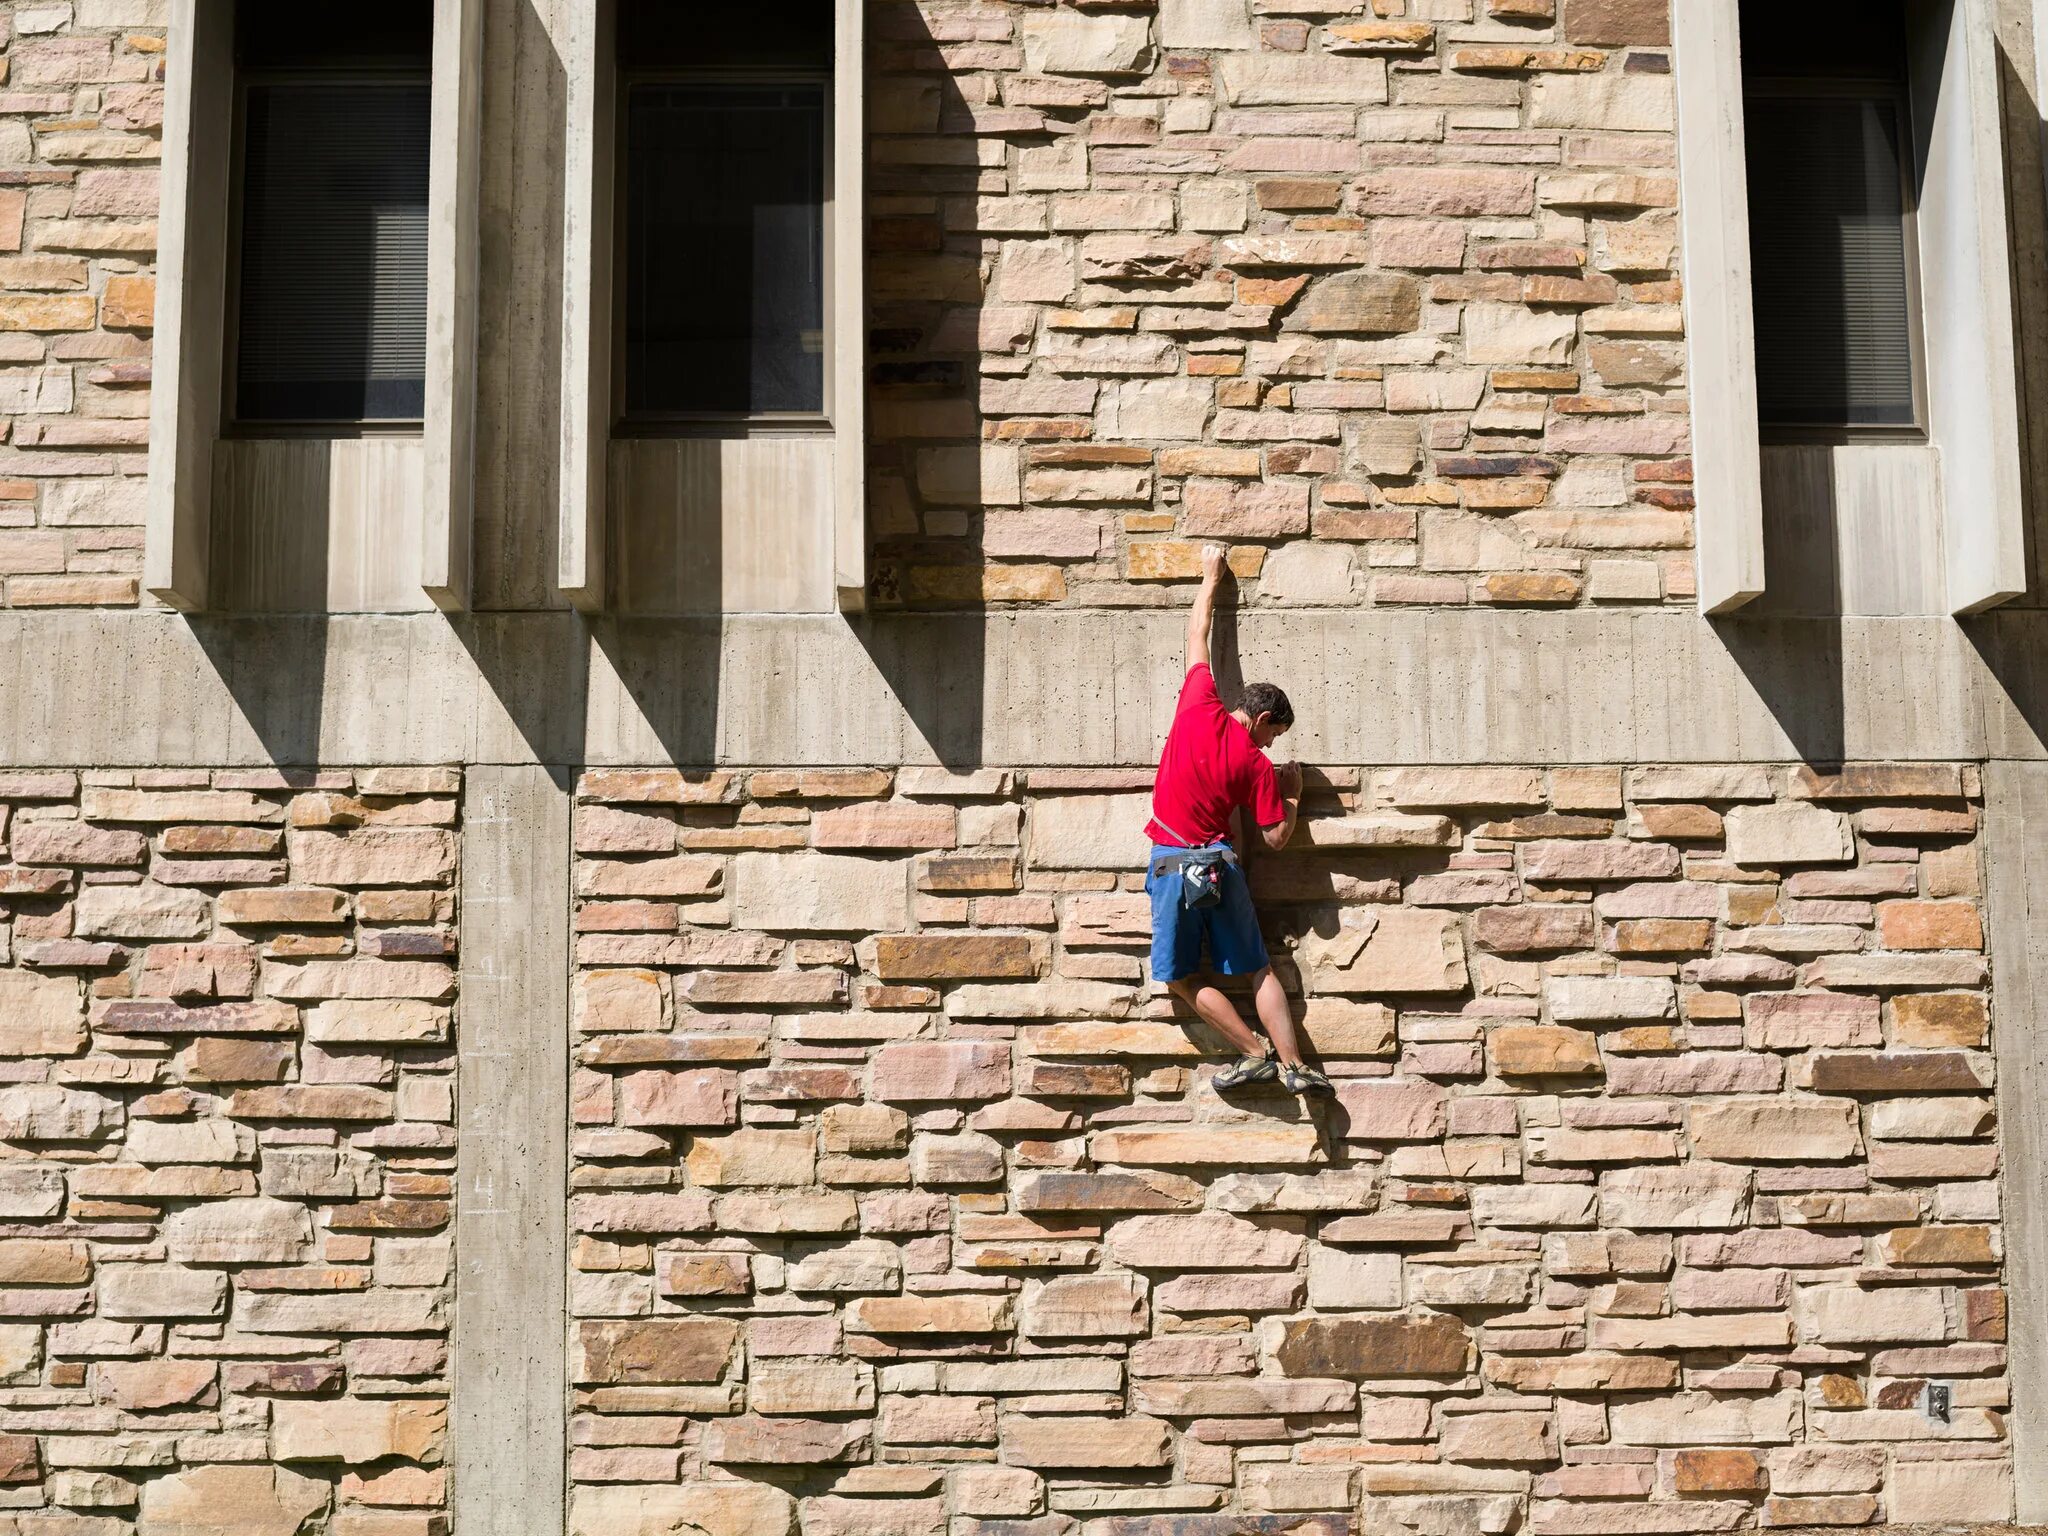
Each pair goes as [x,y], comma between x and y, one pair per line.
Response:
[1266,699]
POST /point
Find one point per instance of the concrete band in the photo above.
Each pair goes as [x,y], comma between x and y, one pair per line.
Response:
[1024,689]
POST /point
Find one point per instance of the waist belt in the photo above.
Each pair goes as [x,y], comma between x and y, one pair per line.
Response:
[1174,864]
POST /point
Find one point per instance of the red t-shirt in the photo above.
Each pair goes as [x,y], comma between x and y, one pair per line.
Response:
[1209,768]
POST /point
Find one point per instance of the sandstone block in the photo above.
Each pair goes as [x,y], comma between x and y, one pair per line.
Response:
[730,1508]
[834,1516]
[145,911]
[1543,1050]
[226,1499]
[1618,23]
[1207,1240]
[253,1231]
[1580,999]
[1301,79]
[372,856]
[1205,24]
[1897,1072]
[1695,1418]
[967,1314]
[822,892]
[623,1001]
[1787,1021]
[1374,1348]
[78,843]
[675,875]
[866,1265]
[1341,1280]
[1069,1193]
[920,1071]
[702,1098]
[1520,1439]
[952,957]
[1387,950]
[1212,1146]
[1793,833]
[1084,1442]
[754,1440]
[946,1161]
[863,1129]
[358,1430]
[1072,43]
[1938,1019]
[46,1112]
[1929,925]
[385,1021]
[1580,861]
[1089,831]
[1775,1130]
[811,1386]
[753,1157]
[1692,1195]
[1949,1492]
[30,1261]
[1359,304]
[647,1351]
[1849,1314]
[895,824]
[1536,926]
[40,1015]
[1084,1307]
[1389,1109]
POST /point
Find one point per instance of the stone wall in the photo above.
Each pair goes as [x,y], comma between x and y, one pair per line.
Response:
[228,1127]
[1385,294]
[81,112]
[1659,1193]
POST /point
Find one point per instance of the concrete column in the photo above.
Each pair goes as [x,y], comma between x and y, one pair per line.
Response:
[509,1371]
[2016,844]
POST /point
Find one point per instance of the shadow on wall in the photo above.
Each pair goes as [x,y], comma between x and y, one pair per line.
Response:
[1795,666]
[931,477]
[2026,193]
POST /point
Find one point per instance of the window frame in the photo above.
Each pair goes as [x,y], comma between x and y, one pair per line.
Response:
[1967,285]
[1898,94]
[719,424]
[232,423]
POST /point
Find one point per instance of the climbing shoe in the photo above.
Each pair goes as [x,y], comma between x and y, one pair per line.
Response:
[1305,1080]
[1249,1070]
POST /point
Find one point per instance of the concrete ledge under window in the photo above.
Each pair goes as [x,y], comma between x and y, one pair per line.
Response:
[1080,688]
[404,541]
[1974,536]
[618,512]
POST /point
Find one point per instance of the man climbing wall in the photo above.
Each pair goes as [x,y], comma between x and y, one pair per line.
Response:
[1214,764]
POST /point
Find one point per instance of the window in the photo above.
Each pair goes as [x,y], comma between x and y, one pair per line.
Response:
[724,186]
[1830,173]
[332,154]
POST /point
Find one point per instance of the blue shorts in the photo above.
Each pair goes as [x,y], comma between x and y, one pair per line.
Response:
[1231,927]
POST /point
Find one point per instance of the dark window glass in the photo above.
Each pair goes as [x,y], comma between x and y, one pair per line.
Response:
[331,318]
[1827,233]
[725,248]
[1830,151]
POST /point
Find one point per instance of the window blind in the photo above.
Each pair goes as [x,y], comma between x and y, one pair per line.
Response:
[1827,221]
[332,322]
[725,253]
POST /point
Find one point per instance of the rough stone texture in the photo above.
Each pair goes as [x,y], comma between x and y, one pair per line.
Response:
[226,1273]
[1634,1212]
[1418,279]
